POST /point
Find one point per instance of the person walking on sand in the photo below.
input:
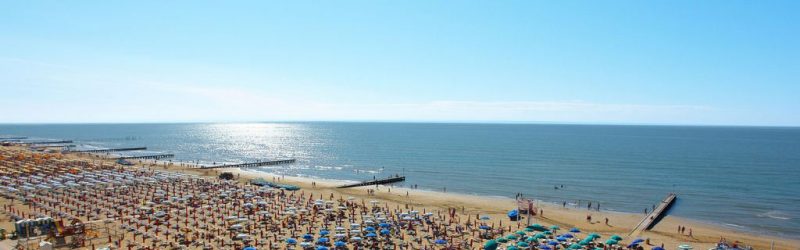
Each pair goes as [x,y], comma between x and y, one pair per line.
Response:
[690,232]
[606,221]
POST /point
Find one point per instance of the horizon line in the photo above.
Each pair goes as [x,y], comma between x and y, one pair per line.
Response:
[407,121]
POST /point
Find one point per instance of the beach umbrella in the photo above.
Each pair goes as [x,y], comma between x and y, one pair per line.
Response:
[356,238]
[485,217]
[440,242]
[529,229]
[539,236]
[585,242]
[611,242]
[385,231]
[512,248]
[561,238]
[340,244]
[523,244]
[547,232]
[490,245]
[593,236]
[324,232]
[511,237]
[520,233]
[370,229]
[574,230]
[616,237]
[249,248]
[632,245]
[322,248]
[502,240]
[308,237]
[554,227]
[657,248]
[637,241]
[485,227]
[552,243]
[544,247]
[323,240]
[385,225]
[568,236]
[575,246]
[372,235]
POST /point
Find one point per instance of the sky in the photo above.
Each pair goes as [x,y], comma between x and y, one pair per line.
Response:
[687,62]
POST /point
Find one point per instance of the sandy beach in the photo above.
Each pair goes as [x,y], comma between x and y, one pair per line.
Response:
[465,211]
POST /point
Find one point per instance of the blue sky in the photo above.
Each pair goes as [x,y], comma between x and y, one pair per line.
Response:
[630,62]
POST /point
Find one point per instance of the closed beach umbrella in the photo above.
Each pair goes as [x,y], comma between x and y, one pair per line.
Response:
[490,245]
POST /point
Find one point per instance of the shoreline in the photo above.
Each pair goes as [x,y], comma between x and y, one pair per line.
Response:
[704,237]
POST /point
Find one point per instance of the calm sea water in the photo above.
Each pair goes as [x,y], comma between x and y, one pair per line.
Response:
[742,177]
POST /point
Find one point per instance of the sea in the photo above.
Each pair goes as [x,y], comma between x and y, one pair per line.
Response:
[745,178]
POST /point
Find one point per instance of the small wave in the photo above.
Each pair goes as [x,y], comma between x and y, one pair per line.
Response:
[775,215]
[734,225]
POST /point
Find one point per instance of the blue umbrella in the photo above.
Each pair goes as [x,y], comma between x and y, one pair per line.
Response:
[567,236]
[637,241]
[632,245]
[324,232]
[561,238]
[322,240]
[370,229]
[384,231]
[249,248]
[322,248]
[440,241]
[372,235]
[291,241]
[574,230]
[340,244]
[658,248]
[552,243]
[385,225]
[308,237]
[544,247]
[485,227]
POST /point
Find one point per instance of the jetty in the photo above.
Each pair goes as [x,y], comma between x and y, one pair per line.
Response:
[375,182]
[654,216]
[107,150]
[13,138]
[143,157]
[46,142]
[252,164]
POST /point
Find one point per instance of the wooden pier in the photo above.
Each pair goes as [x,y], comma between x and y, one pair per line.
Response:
[107,150]
[46,142]
[654,216]
[376,182]
[253,164]
[13,138]
[146,157]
